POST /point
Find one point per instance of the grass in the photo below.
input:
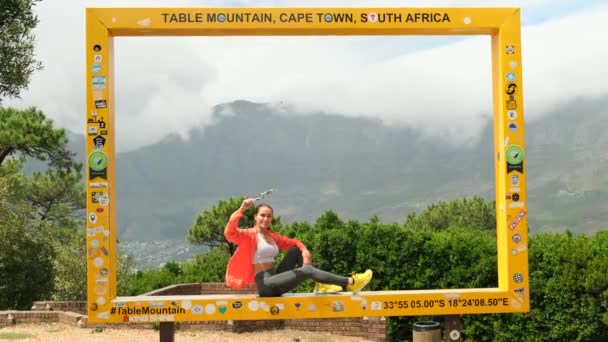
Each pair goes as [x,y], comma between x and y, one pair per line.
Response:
[14,336]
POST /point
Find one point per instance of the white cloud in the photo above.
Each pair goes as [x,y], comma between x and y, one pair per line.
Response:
[169,84]
[564,59]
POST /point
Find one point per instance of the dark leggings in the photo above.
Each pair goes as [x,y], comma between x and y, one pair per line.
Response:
[286,277]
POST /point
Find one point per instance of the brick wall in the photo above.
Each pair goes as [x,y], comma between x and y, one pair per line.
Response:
[198,289]
[216,288]
[372,328]
[16,317]
[71,306]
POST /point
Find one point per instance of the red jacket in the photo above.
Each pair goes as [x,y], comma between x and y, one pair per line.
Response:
[239,272]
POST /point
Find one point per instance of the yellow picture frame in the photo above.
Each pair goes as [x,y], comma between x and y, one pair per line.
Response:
[502,24]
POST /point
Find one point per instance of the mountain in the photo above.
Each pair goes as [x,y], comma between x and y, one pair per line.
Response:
[358,167]
[567,154]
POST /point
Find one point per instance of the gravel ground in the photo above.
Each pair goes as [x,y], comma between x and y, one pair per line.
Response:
[49,332]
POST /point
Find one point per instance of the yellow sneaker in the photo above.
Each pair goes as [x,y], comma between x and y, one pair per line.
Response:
[360,280]
[327,288]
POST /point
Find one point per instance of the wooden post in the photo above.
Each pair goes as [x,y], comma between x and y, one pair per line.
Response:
[167,332]
[452,329]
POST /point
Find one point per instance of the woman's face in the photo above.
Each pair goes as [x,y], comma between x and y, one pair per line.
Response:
[263,218]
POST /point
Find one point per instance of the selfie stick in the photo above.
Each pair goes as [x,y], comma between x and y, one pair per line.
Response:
[263,194]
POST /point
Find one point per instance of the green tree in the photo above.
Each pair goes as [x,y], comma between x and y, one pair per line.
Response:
[42,211]
[403,258]
[40,217]
[30,133]
[25,256]
[207,267]
[55,198]
[568,285]
[17,61]
[474,212]
[70,265]
[329,220]
[332,246]
[55,195]
[209,226]
[147,280]
[304,231]
[125,265]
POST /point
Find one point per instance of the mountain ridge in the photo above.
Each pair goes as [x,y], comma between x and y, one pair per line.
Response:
[358,167]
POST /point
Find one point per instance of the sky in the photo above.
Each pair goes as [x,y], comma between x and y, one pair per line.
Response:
[440,84]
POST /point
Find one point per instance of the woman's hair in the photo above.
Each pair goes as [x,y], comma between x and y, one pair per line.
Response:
[261,206]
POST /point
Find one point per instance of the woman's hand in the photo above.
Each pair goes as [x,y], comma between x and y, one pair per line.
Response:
[248,203]
[306,258]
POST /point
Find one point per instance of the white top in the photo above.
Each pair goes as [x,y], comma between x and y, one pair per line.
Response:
[266,252]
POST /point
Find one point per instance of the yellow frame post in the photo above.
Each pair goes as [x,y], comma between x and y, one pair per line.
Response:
[503,24]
